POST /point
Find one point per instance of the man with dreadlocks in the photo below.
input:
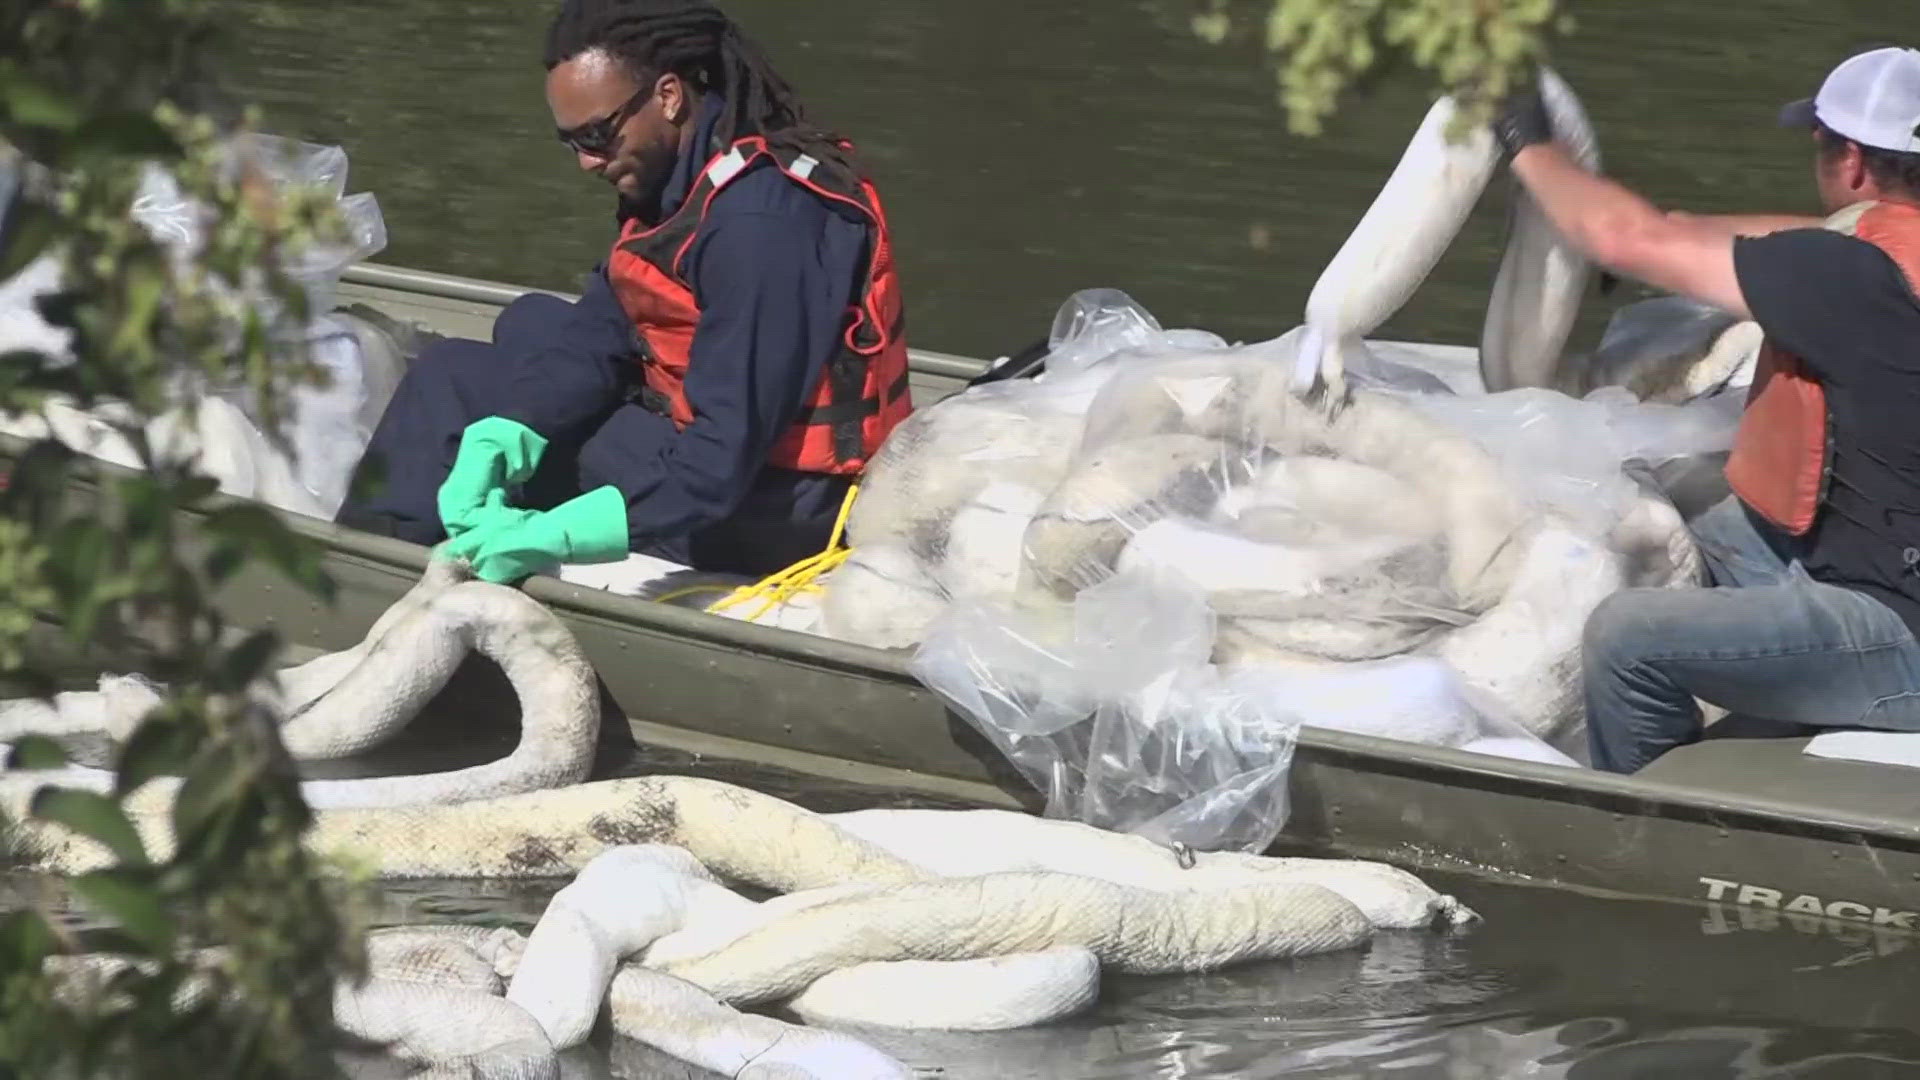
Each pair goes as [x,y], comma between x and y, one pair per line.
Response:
[731,366]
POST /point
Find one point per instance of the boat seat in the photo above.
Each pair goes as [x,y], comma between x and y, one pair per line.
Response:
[1748,763]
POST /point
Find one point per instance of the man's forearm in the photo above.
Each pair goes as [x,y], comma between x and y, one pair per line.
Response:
[1629,235]
[1591,211]
[1749,224]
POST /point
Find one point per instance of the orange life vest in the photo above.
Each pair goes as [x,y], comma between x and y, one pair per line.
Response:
[861,396]
[1782,453]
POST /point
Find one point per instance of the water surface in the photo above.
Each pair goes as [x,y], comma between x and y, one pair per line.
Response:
[1029,150]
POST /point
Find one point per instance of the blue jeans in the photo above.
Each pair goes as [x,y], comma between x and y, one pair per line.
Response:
[1764,641]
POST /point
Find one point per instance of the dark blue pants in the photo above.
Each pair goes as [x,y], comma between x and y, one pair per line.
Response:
[785,516]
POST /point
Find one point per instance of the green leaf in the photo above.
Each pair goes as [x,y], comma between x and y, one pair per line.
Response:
[78,569]
[79,548]
[256,528]
[39,475]
[18,366]
[25,940]
[196,489]
[247,660]
[160,746]
[91,814]
[205,802]
[132,134]
[36,752]
[61,309]
[223,562]
[35,104]
[132,900]
[145,285]
[30,230]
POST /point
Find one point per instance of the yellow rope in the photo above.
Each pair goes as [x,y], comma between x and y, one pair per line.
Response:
[692,590]
[782,585]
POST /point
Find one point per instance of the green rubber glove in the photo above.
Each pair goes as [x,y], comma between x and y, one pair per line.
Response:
[494,517]
[495,453]
[590,528]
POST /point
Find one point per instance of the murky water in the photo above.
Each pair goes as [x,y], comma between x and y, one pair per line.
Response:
[1029,150]
[1549,984]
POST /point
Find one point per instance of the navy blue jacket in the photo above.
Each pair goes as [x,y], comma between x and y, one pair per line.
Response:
[773,268]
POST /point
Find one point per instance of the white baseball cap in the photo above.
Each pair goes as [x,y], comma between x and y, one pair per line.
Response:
[1872,98]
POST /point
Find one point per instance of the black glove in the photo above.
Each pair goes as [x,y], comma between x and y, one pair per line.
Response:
[1521,120]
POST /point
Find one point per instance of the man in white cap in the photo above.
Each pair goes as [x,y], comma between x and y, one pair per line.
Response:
[1814,560]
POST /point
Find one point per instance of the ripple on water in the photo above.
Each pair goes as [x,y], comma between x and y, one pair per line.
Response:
[1550,985]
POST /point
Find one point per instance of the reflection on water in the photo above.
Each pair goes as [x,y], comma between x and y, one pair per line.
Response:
[1550,985]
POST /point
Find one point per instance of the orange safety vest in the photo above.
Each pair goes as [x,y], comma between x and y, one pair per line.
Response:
[861,396]
[1782,452]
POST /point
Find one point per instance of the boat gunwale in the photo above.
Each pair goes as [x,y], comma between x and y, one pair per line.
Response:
[1621,794]
[440,286]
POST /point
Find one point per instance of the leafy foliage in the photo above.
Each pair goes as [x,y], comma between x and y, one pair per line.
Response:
[231,940]
[1477,50]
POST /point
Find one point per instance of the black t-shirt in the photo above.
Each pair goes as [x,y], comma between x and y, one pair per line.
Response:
[1844,307]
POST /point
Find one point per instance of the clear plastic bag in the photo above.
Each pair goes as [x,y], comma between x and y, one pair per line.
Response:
[289,163]
[1108,706]
[1094,325]
[1414,698]
[1169,435]
[1566,456]
[22,327]
[958,482]
[327,426]
[286,164]
[1188,435]
[1198,760]
[940,458]
[882,596]
[1207,561]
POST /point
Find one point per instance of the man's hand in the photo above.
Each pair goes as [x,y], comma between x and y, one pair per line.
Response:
[493,515]
[591,528]
[1522,120]
[494,454]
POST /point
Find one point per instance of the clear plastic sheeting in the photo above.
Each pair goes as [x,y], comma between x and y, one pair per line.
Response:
[1565,455]
[1140,573]
[1109,706]
[22,328]
[951,493]
[328,425]
[285,164]
[1095,324]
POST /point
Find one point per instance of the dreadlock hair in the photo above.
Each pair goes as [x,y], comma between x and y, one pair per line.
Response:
[1894,169]
[694,40]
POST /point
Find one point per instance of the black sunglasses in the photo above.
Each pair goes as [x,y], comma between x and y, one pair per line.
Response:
[595,138]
